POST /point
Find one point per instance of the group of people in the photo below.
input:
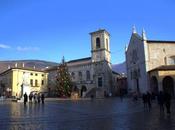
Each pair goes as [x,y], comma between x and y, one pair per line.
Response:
[36,98]
[163,99]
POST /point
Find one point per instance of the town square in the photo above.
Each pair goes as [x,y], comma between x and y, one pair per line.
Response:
[103,114]
[87,65]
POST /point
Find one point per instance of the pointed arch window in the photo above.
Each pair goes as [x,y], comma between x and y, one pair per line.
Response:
[87,75]
[98,43]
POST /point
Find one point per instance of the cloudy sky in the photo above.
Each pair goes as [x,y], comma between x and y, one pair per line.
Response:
[49,29]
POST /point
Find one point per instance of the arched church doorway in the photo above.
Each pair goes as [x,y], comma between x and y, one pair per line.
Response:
[168,85]
[154,85]
[83,89]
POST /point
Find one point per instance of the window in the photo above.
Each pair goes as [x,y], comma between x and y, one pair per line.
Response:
[42,82]
[97,43]
[107,47]
[99,81]
[31,73]
[73,75]
[80,75]
[36,74]
[87,75]
[42,75]
[36,83]
[172,60]
[31,82]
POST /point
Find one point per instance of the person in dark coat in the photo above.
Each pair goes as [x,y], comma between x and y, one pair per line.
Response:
[25,98]
[42,98]
[160,99]
[167,97]
[148,95]
[30,97]
[38,97]
[144,98]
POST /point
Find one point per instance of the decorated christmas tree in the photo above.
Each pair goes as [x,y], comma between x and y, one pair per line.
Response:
[64,86]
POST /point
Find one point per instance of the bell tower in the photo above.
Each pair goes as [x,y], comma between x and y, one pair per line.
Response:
[100,46]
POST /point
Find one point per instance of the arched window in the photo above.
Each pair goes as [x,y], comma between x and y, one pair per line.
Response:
[97,42]
[73,75]
[80,75]
[87,75]
[107,47]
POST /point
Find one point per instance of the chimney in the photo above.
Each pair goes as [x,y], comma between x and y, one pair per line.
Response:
[16,65]
[8,67]
[23,65]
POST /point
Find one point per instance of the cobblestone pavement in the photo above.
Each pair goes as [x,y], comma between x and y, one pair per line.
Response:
[106,114]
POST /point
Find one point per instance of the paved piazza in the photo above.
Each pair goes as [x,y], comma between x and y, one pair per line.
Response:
[106,114]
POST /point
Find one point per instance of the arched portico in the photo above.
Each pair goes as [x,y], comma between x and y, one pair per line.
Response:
[168,85]
[154,85]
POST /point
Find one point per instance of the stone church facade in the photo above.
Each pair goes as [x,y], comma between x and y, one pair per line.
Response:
[144,59]
[92,74]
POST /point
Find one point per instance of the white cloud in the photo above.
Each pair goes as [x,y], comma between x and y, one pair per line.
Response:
[3,46]
[19,48]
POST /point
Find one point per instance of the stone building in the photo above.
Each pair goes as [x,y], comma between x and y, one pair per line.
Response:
[149,64]
[18,80]
[93,74]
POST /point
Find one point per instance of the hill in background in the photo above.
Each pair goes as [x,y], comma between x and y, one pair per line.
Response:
[39,64]
[120,68]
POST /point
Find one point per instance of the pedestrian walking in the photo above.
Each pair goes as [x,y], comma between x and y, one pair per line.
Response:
[144,98]
[42,98]
[148,95]
[38,97]
[35,98]
[167,97]
[30,97]
[25,98]
[160,99]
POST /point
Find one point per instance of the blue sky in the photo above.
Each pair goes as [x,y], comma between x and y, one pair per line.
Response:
[49,29]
